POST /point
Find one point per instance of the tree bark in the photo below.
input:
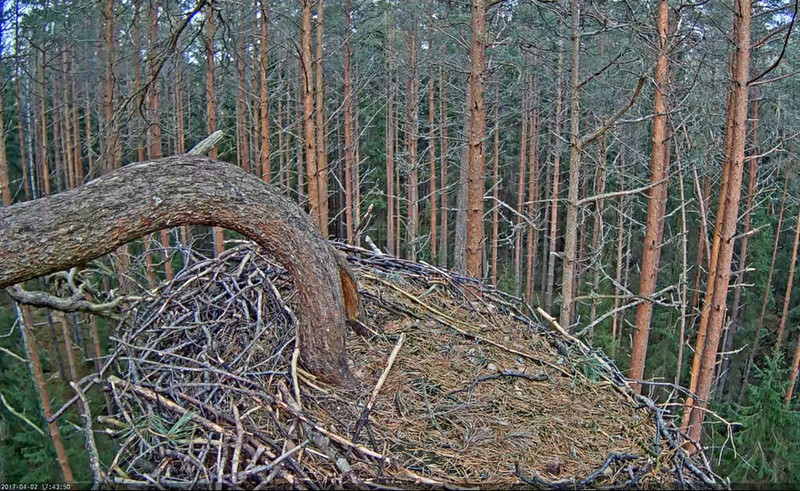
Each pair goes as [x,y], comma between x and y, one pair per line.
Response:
[656,207]
[52,234]
[477,146]
[411,137]
[551,259]
[443,81]
[519,230]
[733,325]
[432,141]
[722,270]
[348,129]
[266,173]
[568,276]
[35,365]
[211,102]
[306,79]
[321,144]
[496,182]
[390,200]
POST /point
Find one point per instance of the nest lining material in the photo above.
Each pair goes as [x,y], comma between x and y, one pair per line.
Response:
[477,394]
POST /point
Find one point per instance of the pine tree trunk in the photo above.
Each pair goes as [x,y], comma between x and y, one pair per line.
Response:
[432,195]
[533,195]
[35,365]
[411,137]
[568,276]
[443,81]
[597,229]
[496,182]
[477,147]
[722,269]
[390,179]
[322,155]
[348,129]
[656,207]
[211,103]
[519,231]
[556,177]
[733,323]
[266,173]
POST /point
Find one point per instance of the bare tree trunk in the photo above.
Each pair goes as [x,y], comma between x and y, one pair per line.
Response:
[616,326]
[348,129]
[411,137]
[306,79]
[266,173]
[477,146]
[496,182]
[443,81]
[460,245]
[211,102]
[519,231]
[654,230]
[5,188]
[597,229]
[390,198]
[733,324]
[571,223]
[145,197]
[551,259]
[242,127]
[533,194]
[767,289]
[788,295]
[728,229]
[322,155]
[35,365]
[432,141]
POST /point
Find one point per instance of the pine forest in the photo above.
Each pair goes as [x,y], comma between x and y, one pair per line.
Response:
[399,243]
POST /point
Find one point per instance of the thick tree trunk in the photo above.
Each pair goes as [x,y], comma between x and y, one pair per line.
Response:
[656,205]
[571,223]
[733,325]
[321,146]
[477,146]
[51,234]
[727,231]
[309,133]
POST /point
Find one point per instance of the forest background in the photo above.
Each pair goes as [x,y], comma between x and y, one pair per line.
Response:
[626,166]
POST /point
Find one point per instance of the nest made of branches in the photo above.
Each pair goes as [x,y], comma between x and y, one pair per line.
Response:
[461,387]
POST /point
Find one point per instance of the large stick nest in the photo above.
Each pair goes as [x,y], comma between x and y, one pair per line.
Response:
[478,394]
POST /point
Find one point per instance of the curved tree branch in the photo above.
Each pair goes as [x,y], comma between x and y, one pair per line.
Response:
[71,228]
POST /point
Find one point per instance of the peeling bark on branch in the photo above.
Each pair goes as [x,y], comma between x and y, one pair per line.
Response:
[71,228]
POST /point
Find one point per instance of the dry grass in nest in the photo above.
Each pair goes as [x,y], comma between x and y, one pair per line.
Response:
[478,395]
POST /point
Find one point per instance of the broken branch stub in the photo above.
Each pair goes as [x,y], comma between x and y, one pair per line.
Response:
[71,228]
